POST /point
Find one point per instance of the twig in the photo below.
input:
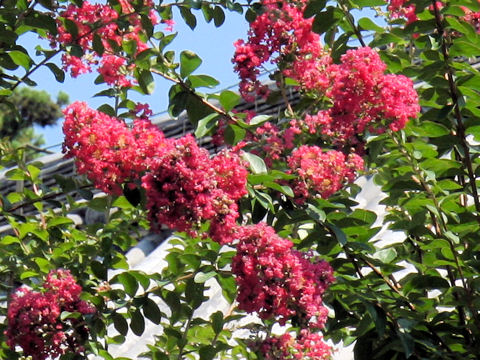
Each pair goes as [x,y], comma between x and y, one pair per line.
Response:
[43,198]
[195,94]
[458,115]
[39,149]
[348,16]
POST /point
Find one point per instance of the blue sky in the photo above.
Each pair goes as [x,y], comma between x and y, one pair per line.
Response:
[213,45]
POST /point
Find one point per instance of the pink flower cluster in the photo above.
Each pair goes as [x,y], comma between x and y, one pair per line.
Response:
[186,188]
[407,10]
[307,346]
[321,172]
[278,282]
[277,35]
[99,22]
[399,9]
[364,97]
[106,150]
[34,321]
[358,98]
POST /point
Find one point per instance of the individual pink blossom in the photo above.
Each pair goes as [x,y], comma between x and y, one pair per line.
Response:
[170,23]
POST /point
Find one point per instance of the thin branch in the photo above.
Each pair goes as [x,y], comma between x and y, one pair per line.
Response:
[285,97]
[35,68]
[39,149]
[201,3]
[458,115]
[351,21]
[195,94]
[43,198]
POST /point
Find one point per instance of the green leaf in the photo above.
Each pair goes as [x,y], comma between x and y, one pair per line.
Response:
[325,20]
[191,259]
[407,342]
[120,323]
[218,16]
[339,234]
[229,287]
[107,109]
[123,203]
[33,171]
[378,316]
[420,282]
[386,255]
[16,174]
[463,47]
[99,204]
[206,124]
[145,81]
[69,315]
[257,165]
[8,239]
[429,129]
[229,99]
[369,3]
[98,44]
[265,200]
[46,22]
[8,36]
[20,58]
[57,72]
[71,27]
[43,264]
[130,47]
[137,323]
[194,293]
[259,119]
[217,321]
[189,18]
[99,270]
[207,11]
[128,281]
[314,7]
[189,62]
[368,24]
[201,277]
[151,311]
[207,352]
[173,301]
[315,213]
[28,274]
[197,81]
[142,278]
[284,189]
[234,134]
[475,131]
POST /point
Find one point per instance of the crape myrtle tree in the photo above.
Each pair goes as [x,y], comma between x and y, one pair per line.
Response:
[271,217]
